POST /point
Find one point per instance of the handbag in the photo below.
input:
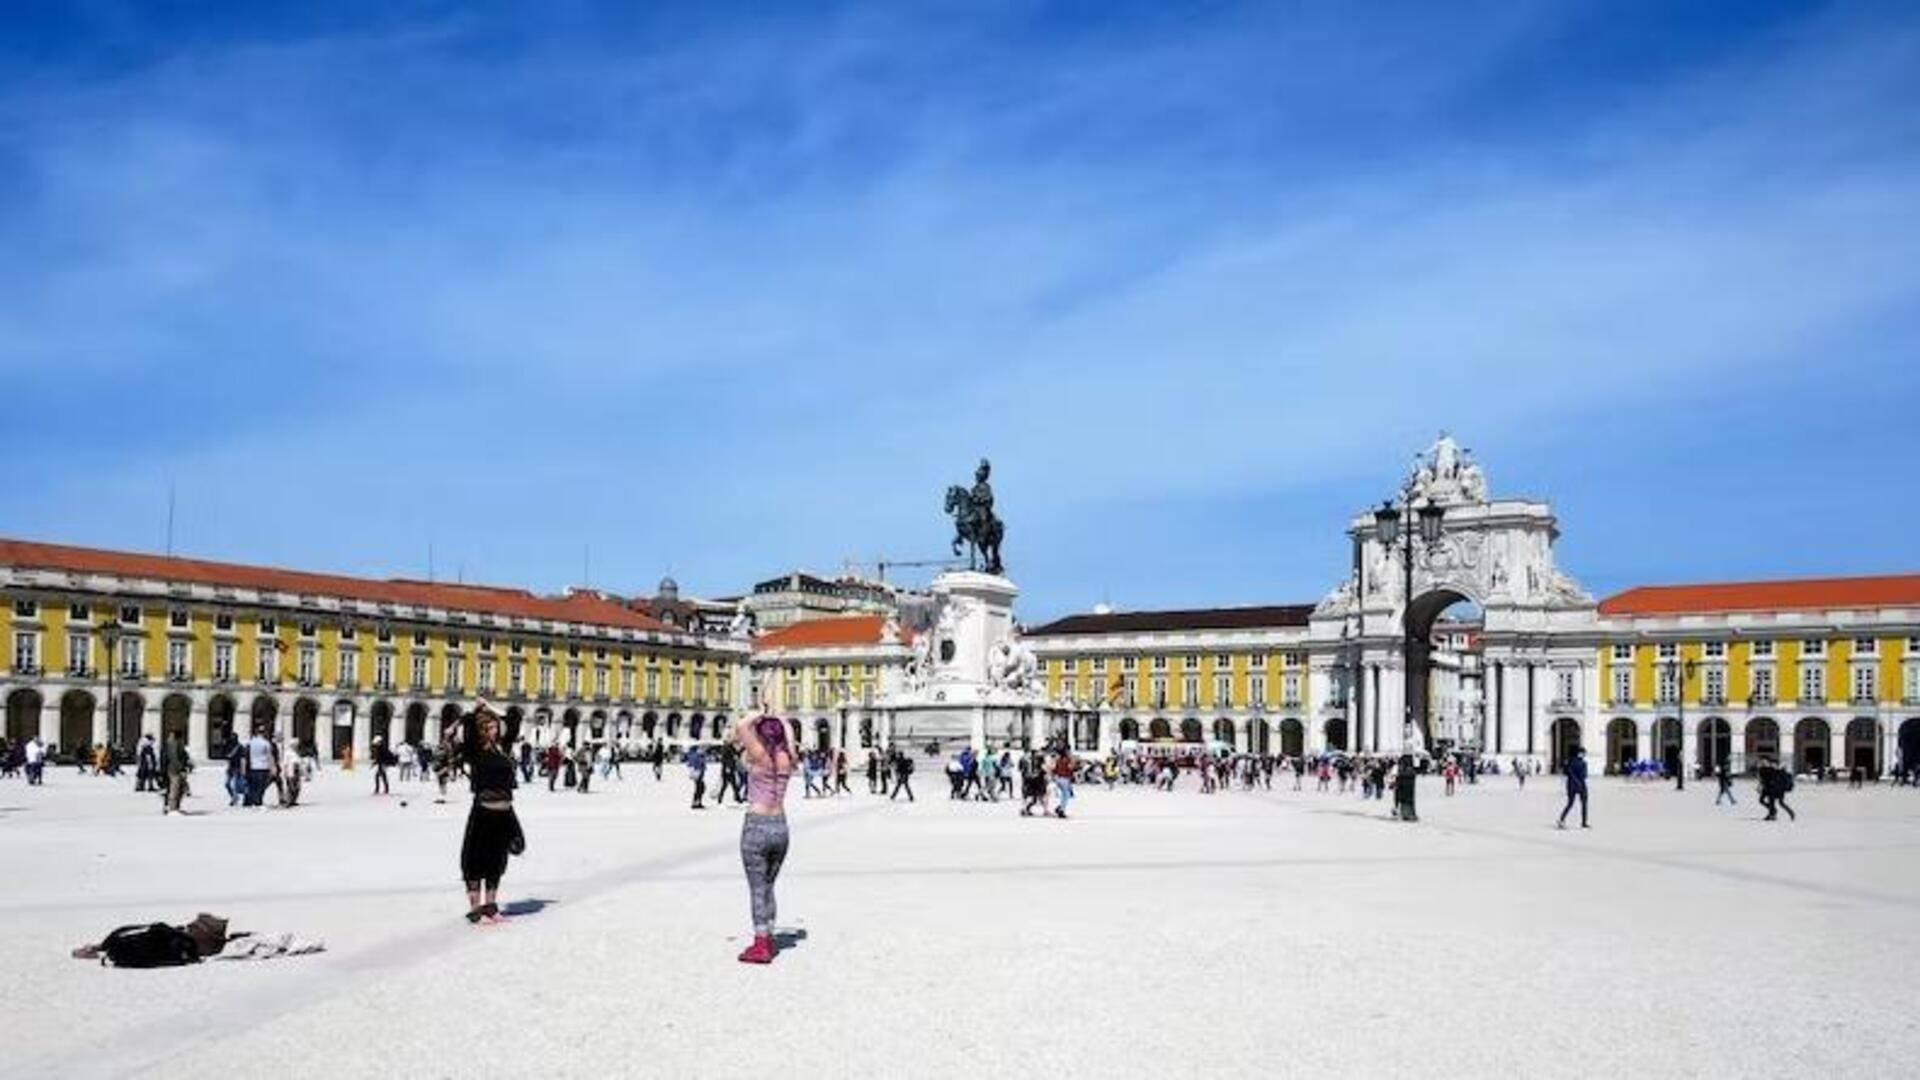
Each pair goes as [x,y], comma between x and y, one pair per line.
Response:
[517,843]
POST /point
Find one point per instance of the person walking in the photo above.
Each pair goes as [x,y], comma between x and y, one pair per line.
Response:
[697,770]
[552,756]
[260,764]
[1404,780]
[493,830]
[290,778]
[873,772]
[1775,782]
[764,837]
[36,762]
[1725,776]
[176,766]
[729,775]
[1062,781]
[840,773]
[525,753]
[146,769]
[1576,771]
[902,776]
[382,760]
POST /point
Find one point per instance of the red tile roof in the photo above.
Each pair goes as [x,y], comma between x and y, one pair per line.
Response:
[845,631]
[1892,590]
[1265,617]
[575,607]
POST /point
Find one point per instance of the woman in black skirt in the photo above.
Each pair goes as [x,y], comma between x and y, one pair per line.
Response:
[493,832]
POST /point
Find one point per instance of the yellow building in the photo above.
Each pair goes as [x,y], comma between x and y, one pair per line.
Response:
[208,650]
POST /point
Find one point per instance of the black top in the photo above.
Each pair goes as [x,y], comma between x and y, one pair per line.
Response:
[490,772]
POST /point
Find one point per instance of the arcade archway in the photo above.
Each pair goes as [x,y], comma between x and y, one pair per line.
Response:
[23,715]
[1562,737]
[1437,707]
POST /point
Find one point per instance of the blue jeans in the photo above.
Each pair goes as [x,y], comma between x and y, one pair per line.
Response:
[1062,793]
[236,788]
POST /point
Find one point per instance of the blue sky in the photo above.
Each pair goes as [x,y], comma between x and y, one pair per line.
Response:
[725,292]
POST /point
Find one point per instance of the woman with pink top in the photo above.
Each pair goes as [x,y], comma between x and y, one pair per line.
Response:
[763,832]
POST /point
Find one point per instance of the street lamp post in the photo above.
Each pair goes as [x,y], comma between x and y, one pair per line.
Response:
[1682,670]
[1387,522]
[110,633]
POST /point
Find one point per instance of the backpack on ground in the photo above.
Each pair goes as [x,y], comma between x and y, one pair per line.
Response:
[150,946]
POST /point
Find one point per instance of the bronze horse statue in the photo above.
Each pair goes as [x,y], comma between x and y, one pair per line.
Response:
[977,528]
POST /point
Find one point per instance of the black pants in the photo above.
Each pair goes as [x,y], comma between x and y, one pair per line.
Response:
[1726,793]
[1775,804]
[903,783]
[729,781]
[1579,793]
[699,789]
[380,780]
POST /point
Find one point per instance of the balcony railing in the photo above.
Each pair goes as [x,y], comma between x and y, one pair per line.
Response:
[349,684]
[1764,698]
[1866,699]
[1813,699]
[26,669]
[1713,699]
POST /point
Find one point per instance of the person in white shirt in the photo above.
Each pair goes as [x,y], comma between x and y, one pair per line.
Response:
[260,761]
[36,761]
[290,773]
[406,761]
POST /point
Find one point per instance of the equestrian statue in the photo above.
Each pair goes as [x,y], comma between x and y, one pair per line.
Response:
[974,524]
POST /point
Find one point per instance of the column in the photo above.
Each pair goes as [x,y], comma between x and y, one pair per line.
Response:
[100,714]
[396,726]
[362,731]
[323,734]
[197,728]
[1513,707]
[50,716]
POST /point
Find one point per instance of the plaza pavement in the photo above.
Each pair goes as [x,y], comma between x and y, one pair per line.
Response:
[1153,934]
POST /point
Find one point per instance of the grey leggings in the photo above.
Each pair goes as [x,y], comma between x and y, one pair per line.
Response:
[763,847]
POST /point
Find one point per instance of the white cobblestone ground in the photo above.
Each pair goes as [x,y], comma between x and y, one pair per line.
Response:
[1153,934]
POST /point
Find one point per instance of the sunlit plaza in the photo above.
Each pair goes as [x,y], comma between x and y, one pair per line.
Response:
[1150,933]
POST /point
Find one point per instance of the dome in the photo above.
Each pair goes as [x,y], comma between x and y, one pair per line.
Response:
[669,588]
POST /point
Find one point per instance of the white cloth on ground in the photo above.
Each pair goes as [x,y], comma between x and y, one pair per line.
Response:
[268,947]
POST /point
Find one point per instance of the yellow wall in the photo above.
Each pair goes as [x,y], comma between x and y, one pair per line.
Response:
[1643,678]
[1892,658]
[1840,670]
[1786,672]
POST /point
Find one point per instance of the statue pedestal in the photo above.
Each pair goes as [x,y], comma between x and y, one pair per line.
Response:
[955,699]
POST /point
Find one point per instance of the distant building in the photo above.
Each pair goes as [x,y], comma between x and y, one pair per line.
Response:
[800,596]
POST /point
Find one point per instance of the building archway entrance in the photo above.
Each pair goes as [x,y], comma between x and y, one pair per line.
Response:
[1812,745]
[23,715]
[343,723]
[306,716]
[1910,744]
[1190,731]
[1762,742]
[415,729]
[1442,728]
[129,720]
[1336,733]
[1160,730]
[1623,744]
[1716,744]
[1562,737]
[1666,743]
[265,710]
[1863,747]
[1293,738]
[1223,732]
[176,711]
[76,722]
[220,733]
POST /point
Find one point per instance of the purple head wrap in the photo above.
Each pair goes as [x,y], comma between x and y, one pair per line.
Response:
[772,733]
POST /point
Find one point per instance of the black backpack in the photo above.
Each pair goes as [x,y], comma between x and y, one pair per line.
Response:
[150,946]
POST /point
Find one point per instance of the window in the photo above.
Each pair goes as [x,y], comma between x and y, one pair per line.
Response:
[26,609]
[573,680]
[419,639]
[1622,686]
[1911,696]
[1714,689]
[546,679]
[1623,653]
[515,645]
[600,681]
[1159,663]
[346,632]
[1813,683]
[309,666]
[453,641]
[573,648]
[1222,689]
[1290,690]
[793,695]
[1159,689]
[1668,650]
[454,674]
[419,673]
[26,652]
[1763,686]
[1813,647]
[223,621]
[516,677]
[1190,690]
[486,675]
[350,669]
[177,618]
[177,652]
[1714,650]
[1257,689]
[653,688]
[79,646]
[78,613]
[383,671]
[1762,649]
[131,657]
[269,627]
[1865,646]
[1865,687]
[675,685]
[1190,661]
[1100,665]
[130,616]
[626,682]
[1668,687]
[1296,659]
[309,630]
[267,665]
[546,648]
[1129,663]
[223,661]
[1223,660]
[1564,692]
[600,652]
